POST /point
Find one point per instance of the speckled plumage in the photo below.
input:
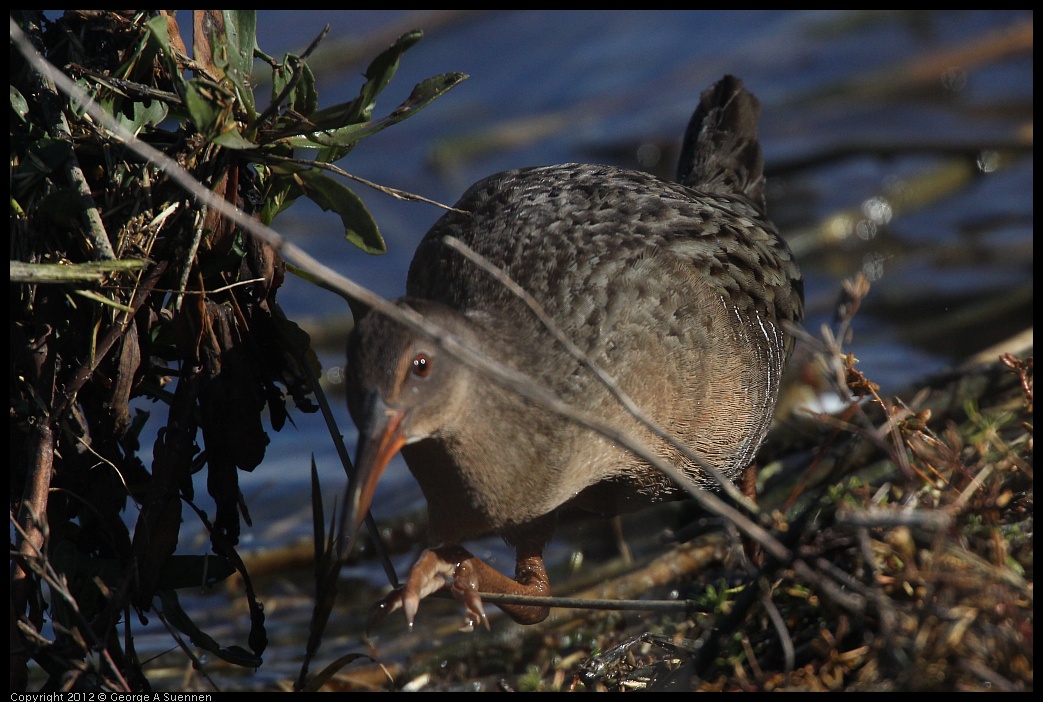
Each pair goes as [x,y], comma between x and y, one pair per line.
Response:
[680,292]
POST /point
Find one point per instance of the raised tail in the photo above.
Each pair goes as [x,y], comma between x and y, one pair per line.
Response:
[721,153]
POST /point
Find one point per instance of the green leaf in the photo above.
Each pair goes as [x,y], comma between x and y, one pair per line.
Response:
[383,69]
[180,620]
[204,109]
[148,115]
[138,66]
[241,37]
[18,104]
[282,192]
[282,186]
[359,226]
[336,143]
[278,200]
[378,75]
[159,34]
[210,107]
[134,115]
[232,139]
[303,98]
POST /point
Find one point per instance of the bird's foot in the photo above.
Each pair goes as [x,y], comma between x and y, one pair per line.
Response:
[467,577]
[436,568]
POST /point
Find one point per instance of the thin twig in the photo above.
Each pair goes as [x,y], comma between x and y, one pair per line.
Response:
[387,190]
[190,257]
[38,562]
[291,85]
[661,606]
[59,128]
[127,87]
[788,654]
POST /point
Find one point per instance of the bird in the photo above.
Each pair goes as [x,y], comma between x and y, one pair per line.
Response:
[683,293]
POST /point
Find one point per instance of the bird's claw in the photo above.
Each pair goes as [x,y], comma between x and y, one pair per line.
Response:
[473,603]
[403,598]
[432,572]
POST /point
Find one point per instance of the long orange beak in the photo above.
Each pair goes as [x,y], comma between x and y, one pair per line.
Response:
[380,438]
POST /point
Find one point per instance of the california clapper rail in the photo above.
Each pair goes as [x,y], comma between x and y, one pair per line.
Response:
[680,292]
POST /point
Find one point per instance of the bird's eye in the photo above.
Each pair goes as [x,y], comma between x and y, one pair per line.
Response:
[421,365]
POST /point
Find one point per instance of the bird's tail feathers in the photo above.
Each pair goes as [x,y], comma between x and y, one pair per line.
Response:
[721,153]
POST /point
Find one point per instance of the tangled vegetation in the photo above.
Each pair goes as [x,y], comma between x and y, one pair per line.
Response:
[126,289]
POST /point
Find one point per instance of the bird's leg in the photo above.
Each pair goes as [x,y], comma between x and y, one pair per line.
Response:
[748,485]
[468,577]
[530,578]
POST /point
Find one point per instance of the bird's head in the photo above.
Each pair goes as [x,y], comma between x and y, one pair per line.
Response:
[402,387]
